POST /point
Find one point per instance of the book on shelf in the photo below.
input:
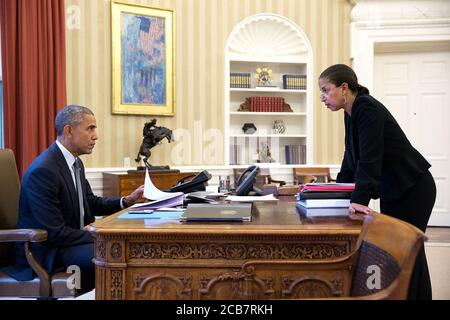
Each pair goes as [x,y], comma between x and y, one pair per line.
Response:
[235,154]
[295,154]
[294,81]
[266,104]
[322,212]
[240,80]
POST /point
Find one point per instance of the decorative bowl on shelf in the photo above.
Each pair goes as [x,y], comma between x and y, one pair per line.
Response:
[249,128]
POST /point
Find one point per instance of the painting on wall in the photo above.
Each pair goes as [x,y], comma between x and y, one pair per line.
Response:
[142,60]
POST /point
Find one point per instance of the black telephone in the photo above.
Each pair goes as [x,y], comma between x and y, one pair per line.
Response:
[194,182]
[245,182]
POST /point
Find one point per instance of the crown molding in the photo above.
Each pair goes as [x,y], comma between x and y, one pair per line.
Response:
[391,12]
[404,24]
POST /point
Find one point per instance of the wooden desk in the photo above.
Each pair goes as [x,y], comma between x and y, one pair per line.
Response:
[160,259]
[122,184]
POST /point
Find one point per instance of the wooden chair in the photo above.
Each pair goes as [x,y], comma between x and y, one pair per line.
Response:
[312,174]
[386,245]
[44,286]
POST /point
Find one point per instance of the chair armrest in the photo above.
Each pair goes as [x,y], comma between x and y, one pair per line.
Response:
[27,236]
[281,182]
[14,235]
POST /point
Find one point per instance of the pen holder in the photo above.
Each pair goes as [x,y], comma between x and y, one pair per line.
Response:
[224,184]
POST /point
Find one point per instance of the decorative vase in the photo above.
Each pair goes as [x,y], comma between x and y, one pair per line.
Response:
[279,127]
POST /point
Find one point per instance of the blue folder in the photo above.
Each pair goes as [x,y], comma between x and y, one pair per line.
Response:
[149,214]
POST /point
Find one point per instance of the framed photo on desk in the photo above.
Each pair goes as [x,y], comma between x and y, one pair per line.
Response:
[142,60]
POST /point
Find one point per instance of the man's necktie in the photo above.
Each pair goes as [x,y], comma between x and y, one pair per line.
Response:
[77,170]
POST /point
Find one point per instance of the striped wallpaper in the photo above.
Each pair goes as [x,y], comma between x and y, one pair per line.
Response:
[201,30]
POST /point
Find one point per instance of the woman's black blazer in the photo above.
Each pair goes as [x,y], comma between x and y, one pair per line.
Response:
[378,157]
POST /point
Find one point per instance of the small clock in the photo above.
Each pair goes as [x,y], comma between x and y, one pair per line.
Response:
[263,76]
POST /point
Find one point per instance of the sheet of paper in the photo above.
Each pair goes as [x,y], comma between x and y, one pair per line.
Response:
[268,197]
[171,201]
[153,193]
[158,199]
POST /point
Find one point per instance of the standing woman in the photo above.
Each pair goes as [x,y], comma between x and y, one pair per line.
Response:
[381,162]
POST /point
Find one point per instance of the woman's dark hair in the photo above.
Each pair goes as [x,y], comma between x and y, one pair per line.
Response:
[339,73]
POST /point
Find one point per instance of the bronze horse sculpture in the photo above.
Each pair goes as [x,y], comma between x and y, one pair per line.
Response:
[153,135]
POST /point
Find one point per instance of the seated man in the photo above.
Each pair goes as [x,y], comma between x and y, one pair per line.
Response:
[49,200]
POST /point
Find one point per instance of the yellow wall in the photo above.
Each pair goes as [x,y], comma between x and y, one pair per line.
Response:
[202,28]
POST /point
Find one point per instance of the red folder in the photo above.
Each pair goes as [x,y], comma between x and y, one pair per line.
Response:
[328,187]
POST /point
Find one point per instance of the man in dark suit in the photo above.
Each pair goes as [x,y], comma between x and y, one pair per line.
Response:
[49,200]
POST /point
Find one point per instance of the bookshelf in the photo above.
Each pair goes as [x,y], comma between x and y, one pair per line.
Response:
[274,42]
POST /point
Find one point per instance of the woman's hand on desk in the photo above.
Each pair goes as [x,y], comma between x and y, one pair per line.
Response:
[358,208]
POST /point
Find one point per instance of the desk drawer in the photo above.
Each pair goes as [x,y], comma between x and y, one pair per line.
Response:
[130,183]
[124,184]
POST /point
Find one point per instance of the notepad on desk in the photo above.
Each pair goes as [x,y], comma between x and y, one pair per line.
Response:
[218,212]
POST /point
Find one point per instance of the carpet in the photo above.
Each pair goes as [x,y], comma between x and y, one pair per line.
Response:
[438,257]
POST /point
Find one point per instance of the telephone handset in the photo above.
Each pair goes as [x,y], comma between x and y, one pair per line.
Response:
[194,182]
[245,182]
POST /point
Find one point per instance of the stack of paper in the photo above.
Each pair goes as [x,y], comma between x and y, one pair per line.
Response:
[325,199]
[324,203]
[323,212]
[268,197]
[158,199]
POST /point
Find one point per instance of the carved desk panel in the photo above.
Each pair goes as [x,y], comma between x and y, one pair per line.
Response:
[159,259]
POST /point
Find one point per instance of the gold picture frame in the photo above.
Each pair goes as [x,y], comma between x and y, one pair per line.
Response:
[143,80]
